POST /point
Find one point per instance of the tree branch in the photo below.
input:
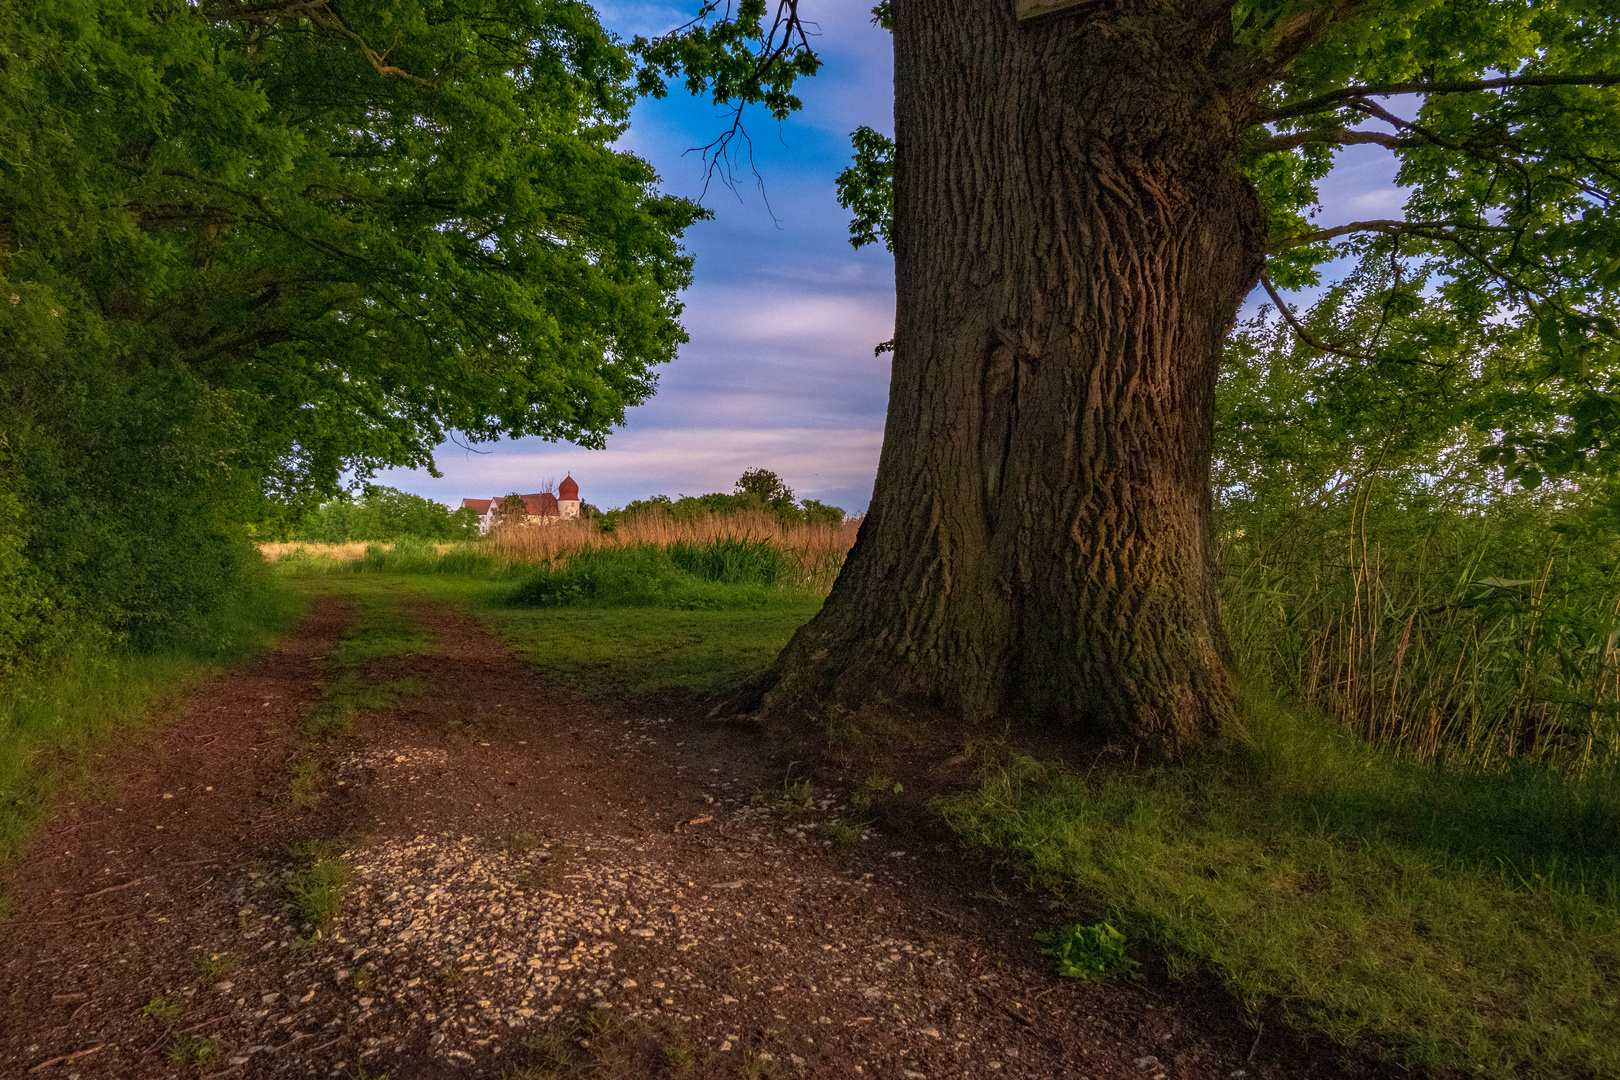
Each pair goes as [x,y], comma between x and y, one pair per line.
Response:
[318,12]
[1388,226]
[1299,328]
[1340,98]
[1337,136]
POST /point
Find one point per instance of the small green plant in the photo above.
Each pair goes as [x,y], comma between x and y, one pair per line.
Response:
[758,1066]
[450,975]
[840,833]
[599,1024]
[678,1052]
[194,1051]
[1087,952]
[871,788]
[210,966]
[312,849]
[361,979]
[315,895]
[788,800]
[161,1009]
[552,1049]
[302,774]
[527,1072]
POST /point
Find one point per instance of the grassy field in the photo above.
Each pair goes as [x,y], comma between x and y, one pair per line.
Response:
[53,721]
[1446,919]
[625,618]
[1453,919]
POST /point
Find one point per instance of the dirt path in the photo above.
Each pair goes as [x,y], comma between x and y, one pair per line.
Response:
[538,884]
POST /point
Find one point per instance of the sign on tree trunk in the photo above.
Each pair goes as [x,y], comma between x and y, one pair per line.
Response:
[1028,9]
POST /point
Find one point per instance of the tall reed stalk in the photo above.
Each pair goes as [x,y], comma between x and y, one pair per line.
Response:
[1422,654]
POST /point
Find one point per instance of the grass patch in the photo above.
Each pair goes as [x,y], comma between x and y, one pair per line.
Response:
[53,720]
[303,772]
[381,631]
[209,967]
[195,1051]
[718,575]
[600,1046]
[1458,920]
[635,649]
[350,695]
[162,1010]
[644,650]
[789,800]
[315,894]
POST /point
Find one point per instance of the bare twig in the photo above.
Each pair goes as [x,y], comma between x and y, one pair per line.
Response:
[65,1058]
[112,888]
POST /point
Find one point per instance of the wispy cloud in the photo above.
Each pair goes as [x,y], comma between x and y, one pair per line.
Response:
[847,322]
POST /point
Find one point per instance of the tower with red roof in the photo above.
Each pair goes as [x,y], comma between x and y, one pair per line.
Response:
[568,498]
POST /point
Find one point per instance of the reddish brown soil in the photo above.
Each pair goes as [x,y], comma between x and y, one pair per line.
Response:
[548,882]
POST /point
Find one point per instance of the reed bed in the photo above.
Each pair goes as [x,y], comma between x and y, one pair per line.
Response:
[814,552]
[276,551]
[1423,653]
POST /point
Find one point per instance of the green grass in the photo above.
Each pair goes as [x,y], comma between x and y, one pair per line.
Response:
[161,1009]
[635,650]
[209,967]
[1455,920]
[715,576]
[642,650]
[195,1051]
[381,630]
[53,721]
[315,894]
[636,620]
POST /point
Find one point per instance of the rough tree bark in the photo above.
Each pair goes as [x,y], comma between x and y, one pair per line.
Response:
[1073,240]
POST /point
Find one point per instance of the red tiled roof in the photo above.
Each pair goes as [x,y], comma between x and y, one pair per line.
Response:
[568,489]
[480,505]
[543,504]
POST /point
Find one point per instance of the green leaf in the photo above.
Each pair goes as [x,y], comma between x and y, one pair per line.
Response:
[1087,952]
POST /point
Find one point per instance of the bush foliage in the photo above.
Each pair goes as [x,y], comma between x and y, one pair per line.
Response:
[385,513]
[757,491]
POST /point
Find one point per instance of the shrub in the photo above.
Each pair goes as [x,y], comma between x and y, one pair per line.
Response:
[725,573]
[731,560]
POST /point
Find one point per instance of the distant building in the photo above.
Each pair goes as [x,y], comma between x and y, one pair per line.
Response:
[541,508]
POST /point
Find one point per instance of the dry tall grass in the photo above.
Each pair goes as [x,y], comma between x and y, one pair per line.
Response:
[275,552]
[816,552]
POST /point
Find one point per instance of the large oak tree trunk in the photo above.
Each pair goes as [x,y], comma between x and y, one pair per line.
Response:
[1073,240]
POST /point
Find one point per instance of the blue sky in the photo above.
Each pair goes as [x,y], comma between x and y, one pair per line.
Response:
[782,313]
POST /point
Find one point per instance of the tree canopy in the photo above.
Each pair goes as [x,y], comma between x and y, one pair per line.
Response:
[247,247]
[386,513]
